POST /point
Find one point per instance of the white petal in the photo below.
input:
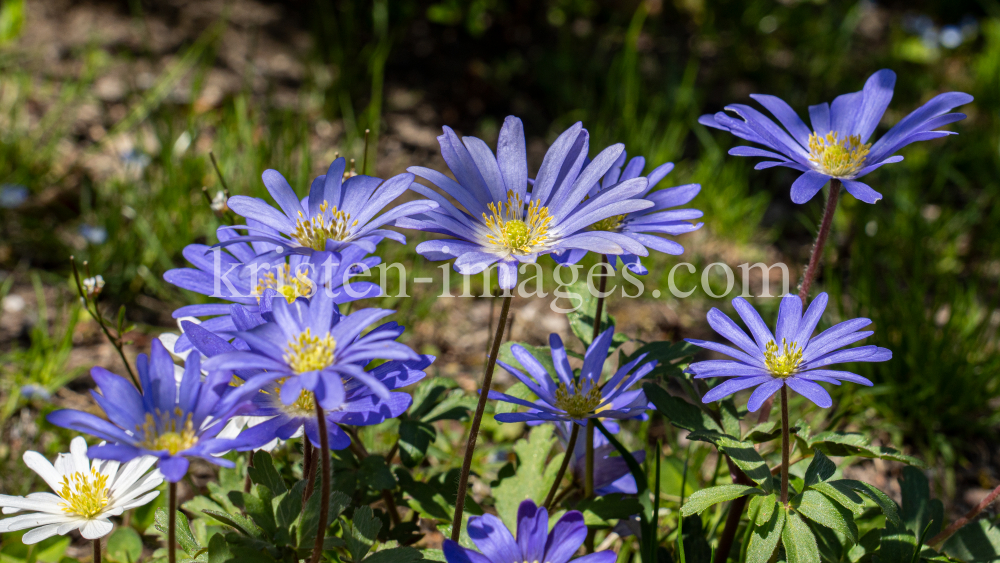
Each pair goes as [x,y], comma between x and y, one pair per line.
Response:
[140,501]
[131,472]
[78,449]
[35,504]
[31,521]
[96,529]
[70,526]
[149,482]
[37,463]
[39,534]
[107,467]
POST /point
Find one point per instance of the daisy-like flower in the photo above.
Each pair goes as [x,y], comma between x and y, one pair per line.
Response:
[172,420]
[563,397]
[310,347]
[837,146]
[499,222]
[534,543]
[646,225]
[361,406]
[337,212]
[237,277]
[790,356]
[87,494]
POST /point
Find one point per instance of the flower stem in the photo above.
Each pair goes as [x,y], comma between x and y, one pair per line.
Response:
[570,448]
[784,445]
[247,483]
[324,487]
[97,550]
[824,232]
[969,517]
[588,482]
[470,447]
[308,468]
[599,311]
[172,523]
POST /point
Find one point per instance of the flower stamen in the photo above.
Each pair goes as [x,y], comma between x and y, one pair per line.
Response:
[514,230]
[310,353]
[315,231]
[85,494]
[611,224]
[287,285]
[168,434]
[782,362]
[575,402]
[840,158]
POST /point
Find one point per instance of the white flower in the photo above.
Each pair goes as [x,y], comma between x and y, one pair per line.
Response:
[93,286]
[87,494]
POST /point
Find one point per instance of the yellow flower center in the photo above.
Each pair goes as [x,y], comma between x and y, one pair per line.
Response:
[611,224]
[782,362]
[841,158]
[287,285]
[86,494]
[315,231]
[575,402]
[310,353]
[514,231]
[305,405]
[169,435]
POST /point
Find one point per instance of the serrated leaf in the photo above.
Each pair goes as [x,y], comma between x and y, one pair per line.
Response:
[289,505]
[842,444]
[375,474]
[705,498]
[820,469]
[897,544]
[309,521]
[602,511]
[800,544]
[976,541]
[236,521]
[182,531]
[679,412]
[124,546]
[414,439]
[881,499]
[767,505]
[918,510]
[530,480]
[258,507]
[264,473]
[815,506]
[765,537]
[362,533]
[842,494]
[395,555]
[745,456]
[763,432]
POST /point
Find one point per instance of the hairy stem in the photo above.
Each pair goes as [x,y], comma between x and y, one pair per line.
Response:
[824,232]
[246,481]
[784,445]
[116,342]
[588,481]
[324,486]
[172,523]
[570,447]
[969,517]
[470,447]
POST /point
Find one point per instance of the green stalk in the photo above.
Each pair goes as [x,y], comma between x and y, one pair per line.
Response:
[324,487]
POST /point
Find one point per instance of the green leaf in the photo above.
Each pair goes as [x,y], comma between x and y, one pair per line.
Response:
[530,480]
[455,406]
[289,505]
[435,497]
[218,549]
[765,537]
[745,456]
[679,412]
[897,544]
[362,533]
[767,506]
[665,353]
[49,550]
[124,546]
[183,533]
[705,498]
[581,320]
[887,505]
[309,521]
[264,473]
[842,494]
[815,506]
[428,394]
[799,542]
[918,510]
[820,469]
[976,541]
[237,521]
[730,417]
[843,444]
[602,511]
[763,432]
[395,555]
[258,507]
[375,474]
[414,439]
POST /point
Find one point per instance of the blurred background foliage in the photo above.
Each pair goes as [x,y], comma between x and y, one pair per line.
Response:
[112,169]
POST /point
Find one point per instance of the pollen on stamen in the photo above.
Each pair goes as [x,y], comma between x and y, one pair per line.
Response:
[575,402]
[85,494]
[287,285]
[513,229]
[310,353]
[784,361]
[316,230]
[840,158]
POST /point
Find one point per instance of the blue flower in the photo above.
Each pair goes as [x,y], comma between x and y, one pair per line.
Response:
[499,222]
[361,406]
[311,347]
[534,543]
[235,276]
[13,196]
[611,473]
[790,356]
[563,397]
[172,420]
[837,145]
[644,226]
[335,214]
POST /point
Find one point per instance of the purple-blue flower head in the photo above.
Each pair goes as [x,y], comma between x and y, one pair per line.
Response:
[171,420]
[499,222]
[336,213]
[361,406]
[611,473]
[837,145]
[534,543]
[234,275]
[645,226]
[311,347]
[563,397]
[791,356]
